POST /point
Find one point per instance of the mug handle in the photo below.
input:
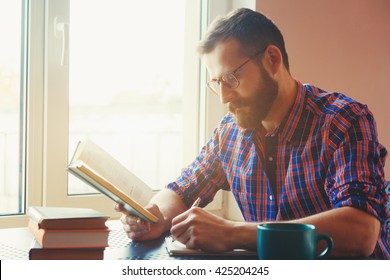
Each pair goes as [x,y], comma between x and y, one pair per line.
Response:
[329,247]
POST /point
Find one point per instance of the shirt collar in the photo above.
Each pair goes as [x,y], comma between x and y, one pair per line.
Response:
[290,123]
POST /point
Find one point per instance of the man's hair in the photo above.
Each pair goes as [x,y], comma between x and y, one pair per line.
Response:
[251,29]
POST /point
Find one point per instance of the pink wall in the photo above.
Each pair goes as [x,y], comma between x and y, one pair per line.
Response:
[340,45]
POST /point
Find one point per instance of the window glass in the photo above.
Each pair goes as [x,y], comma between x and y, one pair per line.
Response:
[11,112]
[126,84]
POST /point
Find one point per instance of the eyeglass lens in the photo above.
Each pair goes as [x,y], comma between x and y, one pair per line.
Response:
[228,80]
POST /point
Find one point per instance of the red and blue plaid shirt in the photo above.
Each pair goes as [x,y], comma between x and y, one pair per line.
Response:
[327,156]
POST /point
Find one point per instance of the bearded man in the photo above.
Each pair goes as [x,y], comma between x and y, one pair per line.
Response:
[288,151]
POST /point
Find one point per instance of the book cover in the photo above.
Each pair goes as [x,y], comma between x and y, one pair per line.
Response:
[36,252]
[70,238]
[67,218]
[100,170]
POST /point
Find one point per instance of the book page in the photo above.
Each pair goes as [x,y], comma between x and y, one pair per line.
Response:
[113,171]
[85,173]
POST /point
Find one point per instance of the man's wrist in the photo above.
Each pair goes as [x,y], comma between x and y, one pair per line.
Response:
[245,235]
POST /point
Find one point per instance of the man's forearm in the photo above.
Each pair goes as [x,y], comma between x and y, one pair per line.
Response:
[354,232]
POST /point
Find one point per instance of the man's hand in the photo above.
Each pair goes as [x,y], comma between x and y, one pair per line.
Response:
[165,205]
[138,229]
[199,229]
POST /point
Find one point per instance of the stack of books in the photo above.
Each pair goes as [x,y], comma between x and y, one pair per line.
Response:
[67,233]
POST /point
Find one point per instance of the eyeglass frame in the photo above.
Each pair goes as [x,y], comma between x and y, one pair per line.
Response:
[233,73]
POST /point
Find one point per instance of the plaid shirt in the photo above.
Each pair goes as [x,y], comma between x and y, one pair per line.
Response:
[327,156]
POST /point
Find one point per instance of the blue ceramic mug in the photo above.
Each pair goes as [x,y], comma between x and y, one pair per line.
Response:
[290,241]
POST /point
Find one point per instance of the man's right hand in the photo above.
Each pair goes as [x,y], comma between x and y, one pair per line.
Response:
[138,229]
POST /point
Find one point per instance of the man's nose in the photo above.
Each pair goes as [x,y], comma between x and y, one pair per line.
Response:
[226,94]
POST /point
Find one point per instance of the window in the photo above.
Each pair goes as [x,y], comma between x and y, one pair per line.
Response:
[126,84]
[12,94]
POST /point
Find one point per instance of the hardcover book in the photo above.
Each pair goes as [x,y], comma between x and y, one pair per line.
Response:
[100,170]
[36,252]
[70,238]
[66,218]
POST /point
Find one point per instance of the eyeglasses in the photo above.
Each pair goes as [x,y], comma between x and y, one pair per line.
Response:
[229,79]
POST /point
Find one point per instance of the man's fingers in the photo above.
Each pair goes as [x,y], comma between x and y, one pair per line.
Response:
[136,228]
[183,216]
[133,221]
[119,208]
[127,218]
[183,224]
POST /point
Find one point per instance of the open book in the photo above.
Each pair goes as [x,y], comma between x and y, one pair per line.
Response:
[100,170]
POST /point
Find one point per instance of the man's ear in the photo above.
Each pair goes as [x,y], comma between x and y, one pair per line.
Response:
[273,59]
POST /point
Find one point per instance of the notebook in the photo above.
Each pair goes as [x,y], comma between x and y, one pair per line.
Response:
[176,248]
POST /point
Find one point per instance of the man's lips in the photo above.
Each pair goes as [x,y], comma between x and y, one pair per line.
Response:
[234,107]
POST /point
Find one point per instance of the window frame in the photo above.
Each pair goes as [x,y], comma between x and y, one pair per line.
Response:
[33,112]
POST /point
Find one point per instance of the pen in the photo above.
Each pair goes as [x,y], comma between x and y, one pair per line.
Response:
[196,203]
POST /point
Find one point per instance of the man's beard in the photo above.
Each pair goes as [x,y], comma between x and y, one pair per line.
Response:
[248,113]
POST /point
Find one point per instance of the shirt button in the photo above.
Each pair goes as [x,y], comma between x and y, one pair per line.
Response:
[270,197]
[270,158]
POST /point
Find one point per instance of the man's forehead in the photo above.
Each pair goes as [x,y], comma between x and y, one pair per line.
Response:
[225,56]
